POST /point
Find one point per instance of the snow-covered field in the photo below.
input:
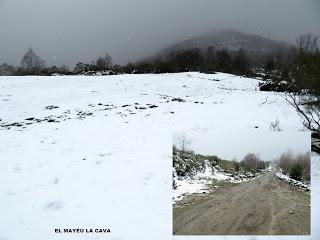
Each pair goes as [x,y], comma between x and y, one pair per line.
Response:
[95,152]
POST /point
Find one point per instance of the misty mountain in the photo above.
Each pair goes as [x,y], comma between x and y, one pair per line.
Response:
[257,47]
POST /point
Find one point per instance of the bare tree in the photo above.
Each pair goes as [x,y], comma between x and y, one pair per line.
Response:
[307,43]
[184,143]
[308,106]
[241,63]
[251,162]
[31,62]
[104,63]
[302,75]
[7,70]
[100,63]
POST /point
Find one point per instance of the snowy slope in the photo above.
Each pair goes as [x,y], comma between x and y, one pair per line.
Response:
[102,159]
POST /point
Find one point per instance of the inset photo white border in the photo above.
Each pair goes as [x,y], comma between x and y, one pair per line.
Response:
[234,145]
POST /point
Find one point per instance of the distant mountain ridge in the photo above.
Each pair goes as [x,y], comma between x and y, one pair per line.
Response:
[256,46]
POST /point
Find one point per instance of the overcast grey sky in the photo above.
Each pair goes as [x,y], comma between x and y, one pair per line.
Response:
[68,31]
[236,144]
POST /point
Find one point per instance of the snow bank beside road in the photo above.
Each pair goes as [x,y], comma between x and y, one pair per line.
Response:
[202,182]
[186,187]
[199,184]
[292,181]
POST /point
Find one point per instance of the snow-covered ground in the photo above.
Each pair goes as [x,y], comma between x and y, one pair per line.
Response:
[201,182]
[286,178]
[198,184]
[95,152]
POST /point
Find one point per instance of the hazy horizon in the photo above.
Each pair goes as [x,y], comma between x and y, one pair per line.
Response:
[67,32]
[236,144]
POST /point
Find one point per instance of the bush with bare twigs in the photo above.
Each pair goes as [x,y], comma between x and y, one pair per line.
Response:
[296,166]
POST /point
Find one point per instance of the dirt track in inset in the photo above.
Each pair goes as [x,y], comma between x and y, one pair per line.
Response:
[262,206]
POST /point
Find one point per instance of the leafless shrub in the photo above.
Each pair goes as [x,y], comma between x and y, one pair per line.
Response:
[275,126]
[304,161]
[287,161]
[103,63]
[252,162]
[284,161]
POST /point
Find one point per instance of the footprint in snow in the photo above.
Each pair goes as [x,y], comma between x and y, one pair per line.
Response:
[147,178]
[105,154]
[55,205]
[55,181]
[17,169]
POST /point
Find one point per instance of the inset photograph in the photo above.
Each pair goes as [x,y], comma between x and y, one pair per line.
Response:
[241,183]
